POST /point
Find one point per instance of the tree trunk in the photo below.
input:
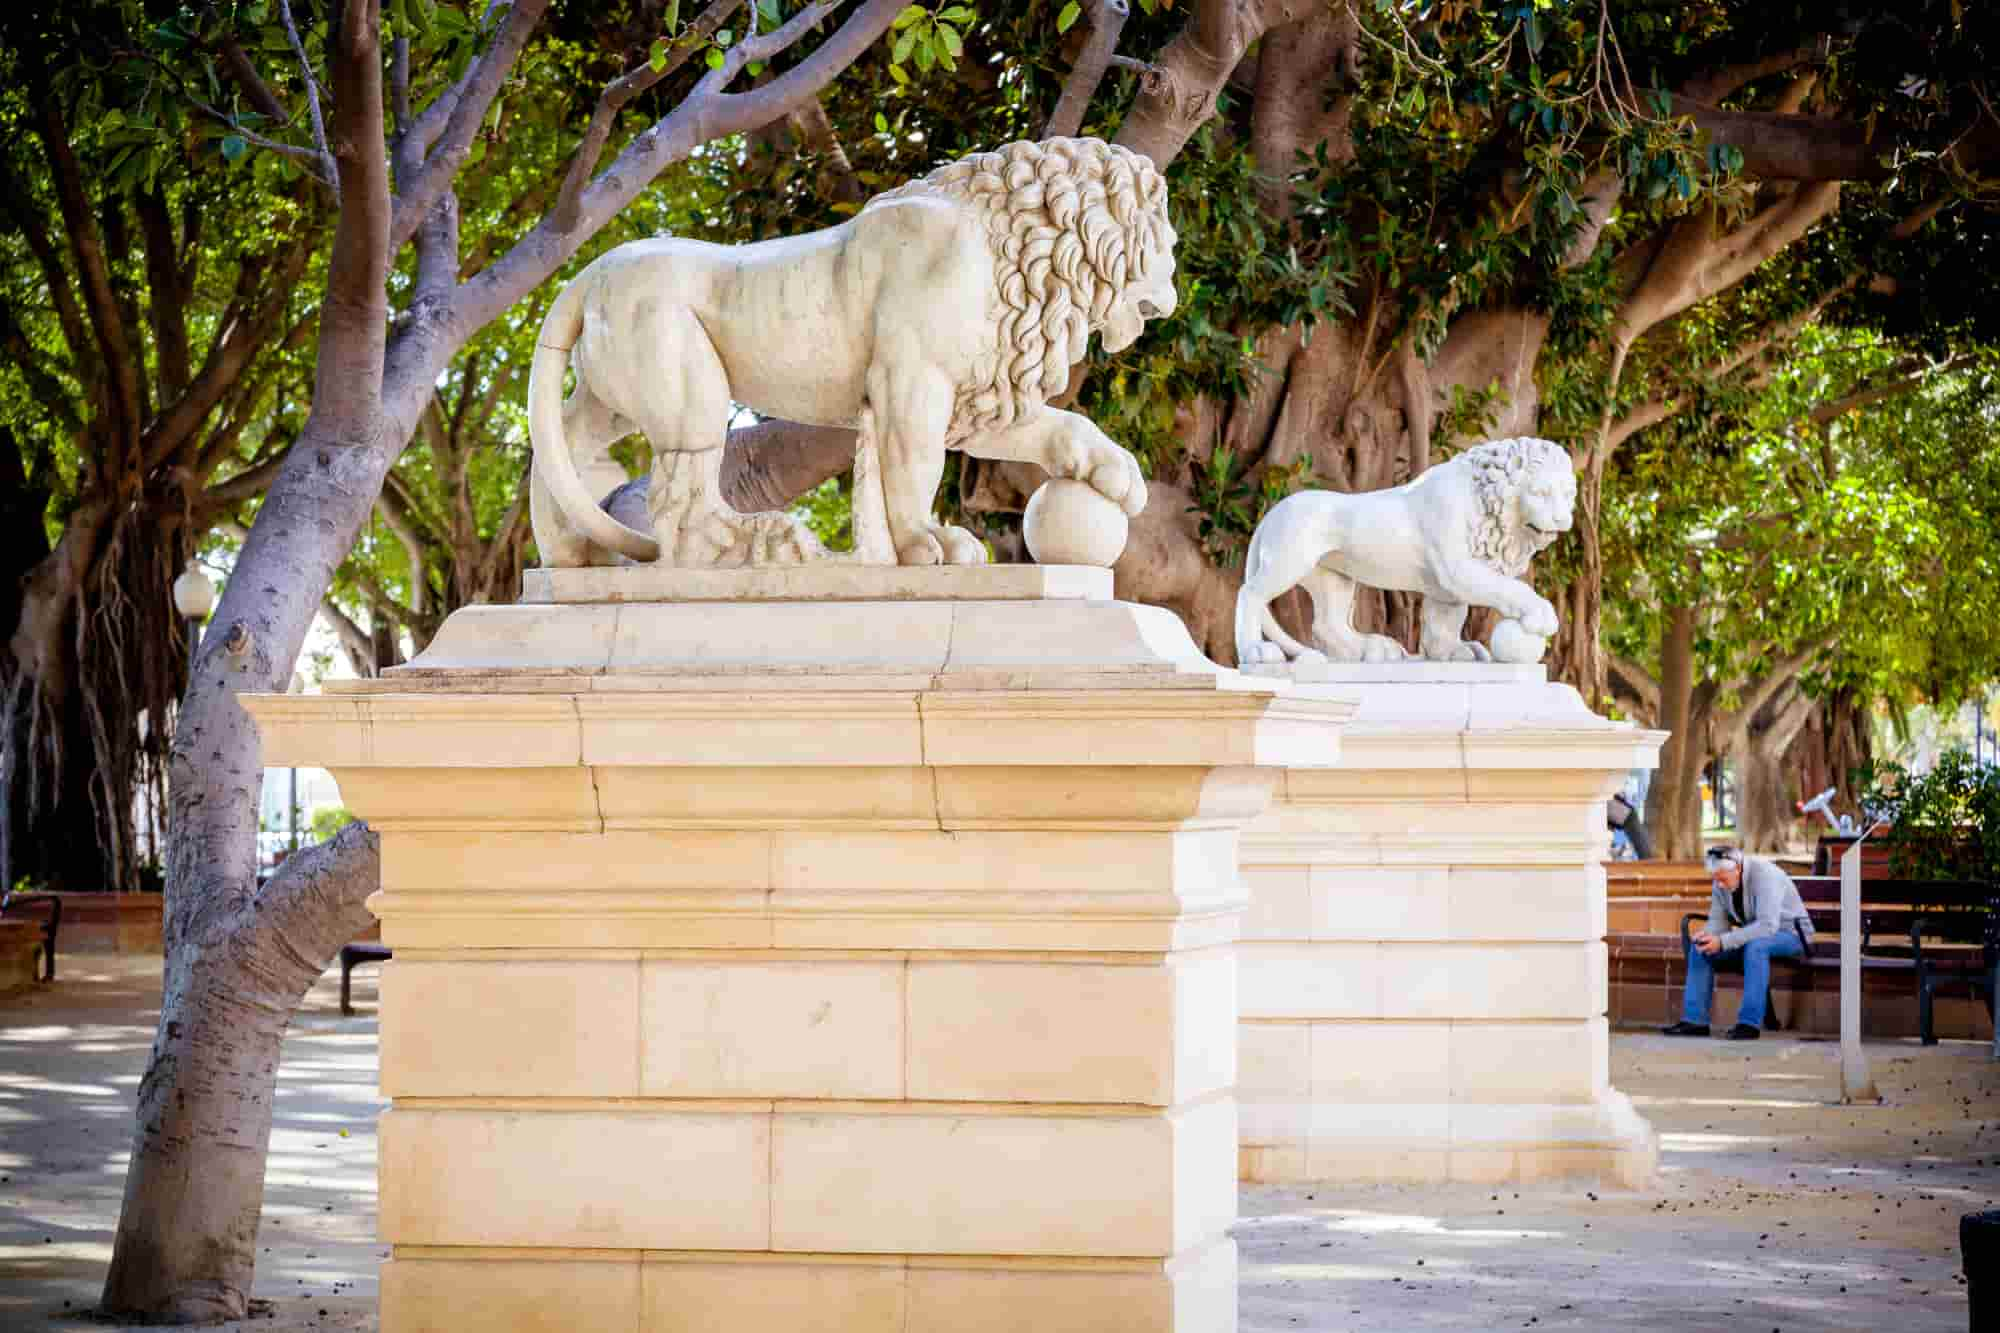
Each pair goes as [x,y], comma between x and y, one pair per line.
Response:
[1673,802]
[240,956]
[187,1233]
[1765,812]
[1766,802]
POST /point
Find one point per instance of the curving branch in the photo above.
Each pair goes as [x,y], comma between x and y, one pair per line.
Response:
[325,152]
[469,103]
[1107,20]
[613,100]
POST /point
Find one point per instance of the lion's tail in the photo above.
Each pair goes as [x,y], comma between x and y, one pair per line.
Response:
[553,465]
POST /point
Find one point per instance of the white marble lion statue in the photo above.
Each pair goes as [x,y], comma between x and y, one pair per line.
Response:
[941,316]
[1461,534]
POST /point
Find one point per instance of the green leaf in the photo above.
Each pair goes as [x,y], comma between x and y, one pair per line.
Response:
[234,146]
[754,68]
[896,73]
[925,56]
[1070,13]
[903,47]
[673,16]
[714,57]
[952,42]
[908,16]
[881,123]
[959,14]
[1533,29]
[657,57]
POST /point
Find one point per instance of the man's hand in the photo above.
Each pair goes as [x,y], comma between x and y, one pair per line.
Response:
[1707,943]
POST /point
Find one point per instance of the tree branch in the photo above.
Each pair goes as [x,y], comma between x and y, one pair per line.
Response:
[360,648]
[1712,85]
[1751,697]
[415,198]
[707,113]
[251,481]
[616,94]
[355,319]
[312,94]
[236,63]
[317,901]
[1107,20]
[99,298]
[1905,383]
[1638,682]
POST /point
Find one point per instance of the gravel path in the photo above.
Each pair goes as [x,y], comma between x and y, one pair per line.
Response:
[1775,1209]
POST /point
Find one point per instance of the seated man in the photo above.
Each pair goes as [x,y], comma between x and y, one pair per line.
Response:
[1755,914]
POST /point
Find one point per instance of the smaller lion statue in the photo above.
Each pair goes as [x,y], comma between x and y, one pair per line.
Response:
[941,316]
[1461,534]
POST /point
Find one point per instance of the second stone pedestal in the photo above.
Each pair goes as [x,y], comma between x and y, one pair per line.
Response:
[892,998]
[1423,966]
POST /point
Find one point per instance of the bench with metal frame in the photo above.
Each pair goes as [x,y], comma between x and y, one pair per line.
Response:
[1946,911]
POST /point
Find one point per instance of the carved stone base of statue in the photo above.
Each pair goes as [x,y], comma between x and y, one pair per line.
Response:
[850,965]
[1423,974]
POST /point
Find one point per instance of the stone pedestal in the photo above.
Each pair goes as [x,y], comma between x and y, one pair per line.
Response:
[1423,965]
[863,965]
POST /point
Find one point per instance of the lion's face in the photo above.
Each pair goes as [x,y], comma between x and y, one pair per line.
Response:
[1152,298]
[1546,504]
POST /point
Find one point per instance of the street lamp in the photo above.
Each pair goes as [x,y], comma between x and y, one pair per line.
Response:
[194,598]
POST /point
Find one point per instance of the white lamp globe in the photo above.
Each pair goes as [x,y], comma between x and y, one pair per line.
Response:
[194,594]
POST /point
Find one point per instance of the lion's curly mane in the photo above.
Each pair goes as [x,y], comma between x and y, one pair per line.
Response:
[1499,468]
[1071,224]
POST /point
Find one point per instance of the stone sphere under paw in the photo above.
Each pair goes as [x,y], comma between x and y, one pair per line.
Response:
[1511,643]
[1069,523]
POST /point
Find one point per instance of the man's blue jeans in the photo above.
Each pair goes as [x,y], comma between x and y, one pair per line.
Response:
[1753,958]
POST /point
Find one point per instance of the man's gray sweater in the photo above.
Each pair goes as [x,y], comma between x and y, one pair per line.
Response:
[1771,903]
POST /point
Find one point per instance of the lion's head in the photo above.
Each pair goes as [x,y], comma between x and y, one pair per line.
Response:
[1526,490]
[1080,241]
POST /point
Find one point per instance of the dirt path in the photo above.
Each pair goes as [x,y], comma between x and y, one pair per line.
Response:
[1775,1209]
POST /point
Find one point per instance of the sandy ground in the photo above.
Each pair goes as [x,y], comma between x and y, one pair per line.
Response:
[1775,1209]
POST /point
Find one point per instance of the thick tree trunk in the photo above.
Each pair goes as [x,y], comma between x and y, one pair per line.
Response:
[241,957]
[187,1233]
[1766,801]
[1673,802]
[1764,806]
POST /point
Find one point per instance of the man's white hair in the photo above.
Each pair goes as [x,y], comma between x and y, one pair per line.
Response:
[1723,855]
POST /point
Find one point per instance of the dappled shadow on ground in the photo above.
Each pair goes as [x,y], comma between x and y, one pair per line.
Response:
[70,1059]
[1774,1210]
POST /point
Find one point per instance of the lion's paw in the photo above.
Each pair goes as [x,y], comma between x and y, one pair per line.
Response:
[1262,653]
[1539,620]
[1465,650]
[1120,481]
[942,544]
[1380,648]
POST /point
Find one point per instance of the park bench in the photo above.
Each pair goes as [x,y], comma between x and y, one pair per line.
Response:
[1940,933]
[48,908]
[351,957]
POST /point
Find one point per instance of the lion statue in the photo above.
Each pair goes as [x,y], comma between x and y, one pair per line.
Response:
[1461,534]
[941,316]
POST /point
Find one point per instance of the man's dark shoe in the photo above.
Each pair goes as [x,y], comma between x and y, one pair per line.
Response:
[1743,1032]
[1686,1030]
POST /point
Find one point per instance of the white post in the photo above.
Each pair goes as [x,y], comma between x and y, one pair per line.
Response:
[1856,1085]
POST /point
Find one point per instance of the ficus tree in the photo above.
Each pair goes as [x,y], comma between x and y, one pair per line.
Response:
[385,113]
[154,312]
[1795,552]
